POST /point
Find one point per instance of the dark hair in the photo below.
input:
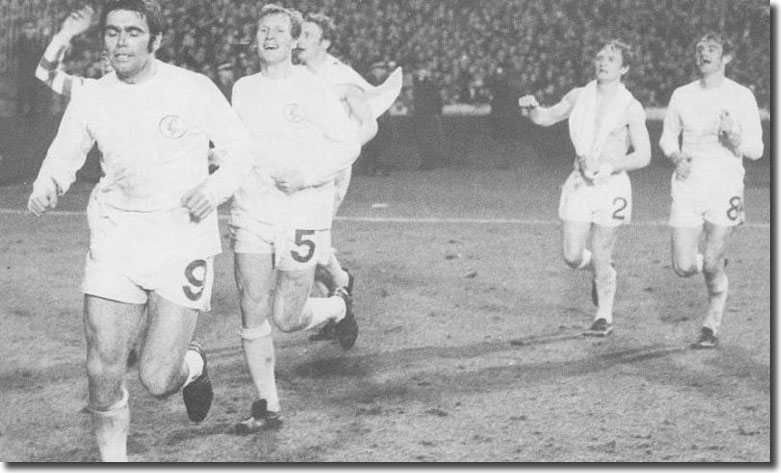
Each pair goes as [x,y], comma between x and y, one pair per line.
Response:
[326,24]
[727,46]
[627,57]
[149,9]
[294,15]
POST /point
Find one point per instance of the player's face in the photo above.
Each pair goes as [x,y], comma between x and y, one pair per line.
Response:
[275,39]
[609,64]
[310,42]
[127,44]
[710,57]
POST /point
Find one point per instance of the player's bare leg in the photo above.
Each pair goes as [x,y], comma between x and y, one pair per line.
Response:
[293,310]
[687,261]
[605,281]
[110,329]
[171,361]
[255,279]
[163,367]
[716,238]
[574,236]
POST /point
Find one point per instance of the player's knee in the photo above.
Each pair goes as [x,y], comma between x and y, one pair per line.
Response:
[685,269]
[105,369]
[287,323]
[712,264]
[572,258]
[158,381]
[256,333]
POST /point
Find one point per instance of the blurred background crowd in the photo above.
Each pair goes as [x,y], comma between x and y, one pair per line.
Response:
[468,51]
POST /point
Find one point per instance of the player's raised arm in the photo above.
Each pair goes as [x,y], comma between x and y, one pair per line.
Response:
[50,70]
[547,116]
[359,109]
[340,146]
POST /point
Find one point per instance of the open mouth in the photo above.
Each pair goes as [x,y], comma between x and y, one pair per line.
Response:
[270,46]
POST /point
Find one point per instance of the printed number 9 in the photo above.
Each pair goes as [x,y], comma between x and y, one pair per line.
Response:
[196,276]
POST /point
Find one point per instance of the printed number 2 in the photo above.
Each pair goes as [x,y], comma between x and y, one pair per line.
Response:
[735,208]
[196,276]
[302,241]
[621,204]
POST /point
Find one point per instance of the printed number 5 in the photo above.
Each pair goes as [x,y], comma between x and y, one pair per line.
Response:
[302,241]
[621,204]
[196,276]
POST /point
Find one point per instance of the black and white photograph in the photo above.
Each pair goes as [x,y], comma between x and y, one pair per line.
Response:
[318,232]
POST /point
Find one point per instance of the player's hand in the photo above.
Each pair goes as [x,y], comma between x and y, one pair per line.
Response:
[730,133]
[43,197]
[528,102]
[199,202]
[587,165]
[78,22]
[289,180]
[683,166]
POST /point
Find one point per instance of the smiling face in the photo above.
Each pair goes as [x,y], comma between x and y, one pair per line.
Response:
[127,40]
[609,64]
[710,57]
[275,38]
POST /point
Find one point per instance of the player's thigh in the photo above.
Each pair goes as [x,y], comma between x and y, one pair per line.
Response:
[574,236]
[255,278]
[290,295]
[170,330]
[110,327]
[603,240]
[685,246]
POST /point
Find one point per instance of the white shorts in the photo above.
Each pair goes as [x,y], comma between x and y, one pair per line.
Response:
[608,204]
[720,203]
[292,249]
[186,283]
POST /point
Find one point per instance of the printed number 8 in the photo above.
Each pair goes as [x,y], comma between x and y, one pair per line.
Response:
[196,279]
[735,208]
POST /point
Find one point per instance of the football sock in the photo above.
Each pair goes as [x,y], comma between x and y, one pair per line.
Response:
[585,260]
[111,427]
[606,291]
[717,300]
[320,310]
[259,353]
[193,363]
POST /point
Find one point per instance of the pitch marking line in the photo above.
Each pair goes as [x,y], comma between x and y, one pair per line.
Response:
[434,220]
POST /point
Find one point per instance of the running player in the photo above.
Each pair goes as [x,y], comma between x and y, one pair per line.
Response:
[720,125]
[152,219]
[317,35]
[281,225]
[607,128]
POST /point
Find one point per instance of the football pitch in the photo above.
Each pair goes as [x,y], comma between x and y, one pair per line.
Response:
[470,345]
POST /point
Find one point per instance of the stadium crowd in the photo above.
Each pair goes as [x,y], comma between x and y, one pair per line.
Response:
[543,47]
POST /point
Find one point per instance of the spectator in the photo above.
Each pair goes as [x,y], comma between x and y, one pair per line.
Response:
[427,115]
[28,50]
